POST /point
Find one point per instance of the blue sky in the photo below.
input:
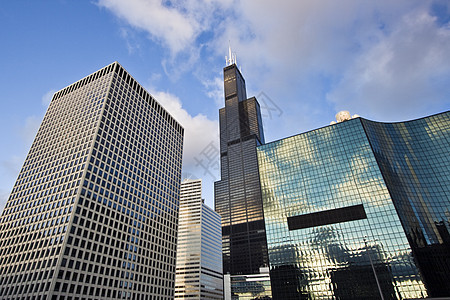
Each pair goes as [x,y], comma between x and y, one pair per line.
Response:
[304,60]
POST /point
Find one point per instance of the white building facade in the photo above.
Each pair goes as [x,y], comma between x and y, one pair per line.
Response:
[94,211]
[199,254]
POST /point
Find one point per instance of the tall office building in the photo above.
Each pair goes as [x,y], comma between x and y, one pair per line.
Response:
[358,209]
[94,211]
[199,252]
[238,194]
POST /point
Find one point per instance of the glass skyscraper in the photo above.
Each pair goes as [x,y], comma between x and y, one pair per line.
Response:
[359,208]
[94,211]
[238,193]
[199,253]
[414,158]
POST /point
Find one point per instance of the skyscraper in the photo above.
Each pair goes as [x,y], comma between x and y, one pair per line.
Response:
[237,194]
[359,209]
[199,253]
[94,211]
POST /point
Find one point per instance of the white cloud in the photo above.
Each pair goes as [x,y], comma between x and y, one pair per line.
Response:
[201,144]
[131,43]
[405,71]
[32,123]
[303,38]
[166,24]
[200,133]
[11,167]
[47,98]
[30,128]
[176,24]
[214,90]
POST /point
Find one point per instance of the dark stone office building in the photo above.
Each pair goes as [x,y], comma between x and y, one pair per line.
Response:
[238,194]
[359,208]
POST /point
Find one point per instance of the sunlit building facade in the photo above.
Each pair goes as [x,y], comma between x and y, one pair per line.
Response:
[359,208]
[94,211]
[238,193]
[199,252]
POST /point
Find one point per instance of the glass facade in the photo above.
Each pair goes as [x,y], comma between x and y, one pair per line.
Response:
[94,211]
[251,287]
[238,193]
[350,209]
[415,161]
[199,252]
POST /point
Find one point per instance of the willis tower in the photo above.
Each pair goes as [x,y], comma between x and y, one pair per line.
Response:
[238,193]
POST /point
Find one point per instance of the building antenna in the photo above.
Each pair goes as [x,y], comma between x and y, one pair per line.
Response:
[231,58]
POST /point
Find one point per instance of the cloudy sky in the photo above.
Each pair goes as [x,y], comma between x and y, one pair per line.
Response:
[304,60]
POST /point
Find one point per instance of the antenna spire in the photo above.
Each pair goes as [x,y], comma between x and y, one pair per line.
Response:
[231,58]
